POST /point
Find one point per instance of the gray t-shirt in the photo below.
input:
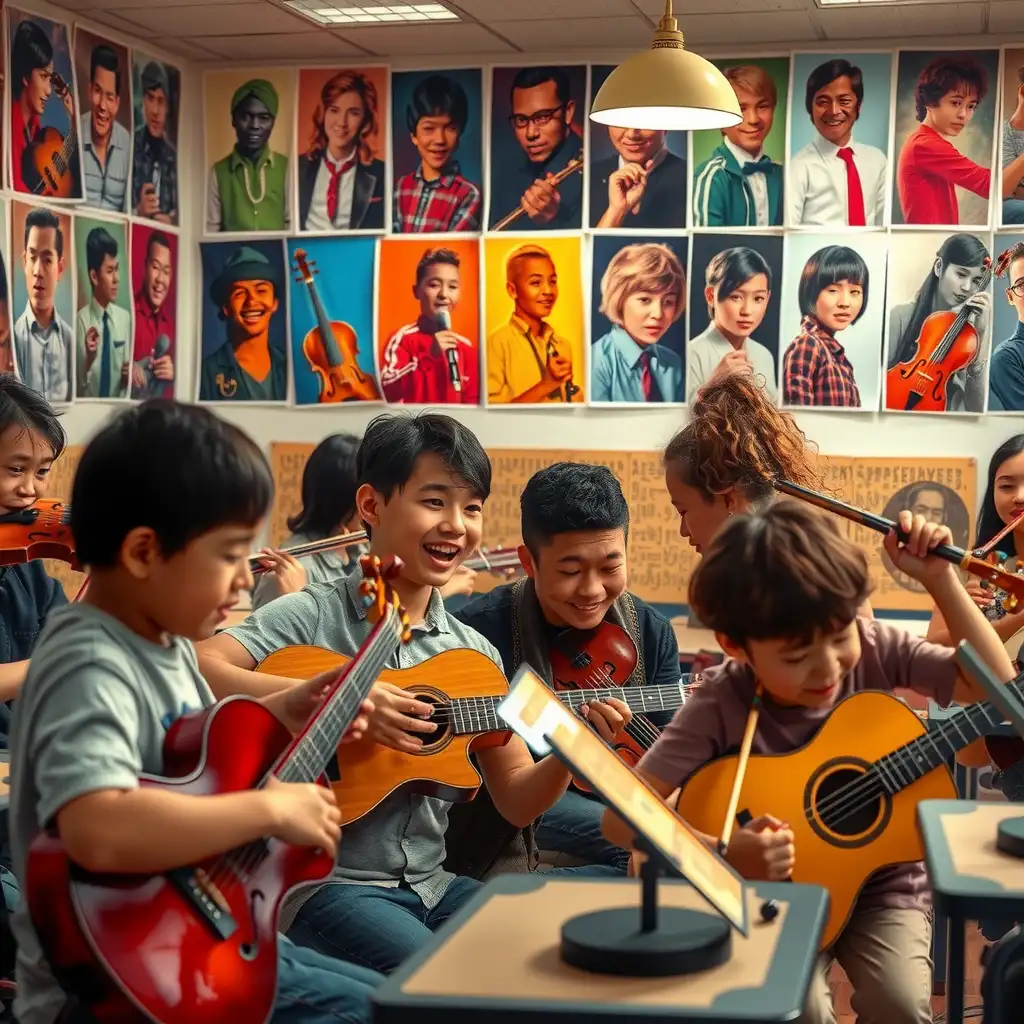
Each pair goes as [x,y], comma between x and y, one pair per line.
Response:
[402,839]
[92,715]
[1013,144]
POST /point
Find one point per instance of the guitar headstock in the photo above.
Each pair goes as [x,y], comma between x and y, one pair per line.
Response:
[378,594]
[304,267]
[60,87]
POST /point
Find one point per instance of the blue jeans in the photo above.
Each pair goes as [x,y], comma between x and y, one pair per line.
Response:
[1013,211]
[372,925]
[573,826]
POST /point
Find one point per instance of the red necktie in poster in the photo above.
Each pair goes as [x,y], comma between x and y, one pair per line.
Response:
[333,186]
[650,385]
[854,192]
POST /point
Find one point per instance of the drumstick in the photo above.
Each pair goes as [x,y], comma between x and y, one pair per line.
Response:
[741,770]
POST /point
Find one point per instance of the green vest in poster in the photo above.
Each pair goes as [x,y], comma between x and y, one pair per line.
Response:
[252,198]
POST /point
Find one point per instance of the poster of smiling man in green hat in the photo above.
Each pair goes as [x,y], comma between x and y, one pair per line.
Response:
[248,187]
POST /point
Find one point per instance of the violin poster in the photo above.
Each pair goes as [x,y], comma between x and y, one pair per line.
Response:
[45,156]
[428,321]
[331,283]
[243,322]
[939,322]
[537,115]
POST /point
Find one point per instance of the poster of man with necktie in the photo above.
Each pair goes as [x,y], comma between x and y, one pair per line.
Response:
[837,173]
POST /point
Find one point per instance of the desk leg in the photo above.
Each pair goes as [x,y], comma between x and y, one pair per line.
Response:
[956,956]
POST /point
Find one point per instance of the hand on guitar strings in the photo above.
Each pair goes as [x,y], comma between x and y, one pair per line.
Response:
[397,713]
[607,718]
[304,814]
[294,705]
[912,555]
[763,850]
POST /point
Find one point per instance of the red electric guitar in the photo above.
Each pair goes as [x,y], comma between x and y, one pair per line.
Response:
[198,945]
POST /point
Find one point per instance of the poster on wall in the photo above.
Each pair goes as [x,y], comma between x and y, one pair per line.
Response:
[533,320]
[437,150]
[331,305]
[249,130]
[43,298]
[428,321]
[537,115]
[944,136]
[932,277]
[45,158]
[1006,369]
[154,260]
[103,74]
[833,311]
[342,147]
[638,176]
[1011,139]
[243,322]
[734,309]
[103,318]
[7,363]
[638,320]
[738,175]
[156,90]
[837,173]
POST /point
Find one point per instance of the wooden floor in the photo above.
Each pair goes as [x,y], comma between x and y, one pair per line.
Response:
[975,943]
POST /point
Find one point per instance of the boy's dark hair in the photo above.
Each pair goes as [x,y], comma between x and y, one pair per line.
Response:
[31,50]
[22,407]
[434,256]
[206,473]
[437,96]
[530,78]
[571,496]
[942,75]
[99,244]
[328,487]
[825,74]
[829,266]
[39,217]
[157,238]
[103,56]
[785,573]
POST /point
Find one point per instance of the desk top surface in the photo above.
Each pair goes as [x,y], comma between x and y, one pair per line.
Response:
[499,956]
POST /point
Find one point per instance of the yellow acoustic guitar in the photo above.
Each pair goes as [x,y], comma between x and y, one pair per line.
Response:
[850,795]
[465,688]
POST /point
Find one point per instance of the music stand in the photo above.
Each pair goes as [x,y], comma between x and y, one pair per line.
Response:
[1007,700]
[661,941]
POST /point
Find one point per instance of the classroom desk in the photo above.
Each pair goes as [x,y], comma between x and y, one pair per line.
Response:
[497,960]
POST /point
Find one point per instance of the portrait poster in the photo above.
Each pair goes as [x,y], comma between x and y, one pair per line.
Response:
[837,172]
[944,137]
[726,193]
[931,276]
[42,289]
[638,176]
[45,158]
[535,353]
[537,115]
[833,317]
[342,140]
[156,91]
[437,151]
[7,363]
[249,128]
[154,262]
[103,75]
[638,320]
[1011,136]
[428,321]
[331,306]
[734,305]
[1006,368]
[243,322]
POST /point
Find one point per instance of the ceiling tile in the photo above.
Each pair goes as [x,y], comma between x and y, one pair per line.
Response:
[115,21]
[901,23]
[191,49]
[88,6]
[217,19]
[654,9]
[576,33]
[721,30]
[296,46]
[426,40]
[1006,16]
[489,11]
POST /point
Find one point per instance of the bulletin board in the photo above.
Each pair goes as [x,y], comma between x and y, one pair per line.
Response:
[660,561]
[61,476]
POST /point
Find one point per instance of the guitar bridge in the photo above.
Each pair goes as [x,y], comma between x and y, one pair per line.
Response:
[208,901]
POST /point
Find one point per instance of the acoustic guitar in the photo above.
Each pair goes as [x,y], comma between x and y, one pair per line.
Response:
[464,687]
[850,795]
[198,945]
[47,164]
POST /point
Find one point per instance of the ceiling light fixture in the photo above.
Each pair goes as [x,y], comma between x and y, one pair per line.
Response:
[368,14]
[666,88]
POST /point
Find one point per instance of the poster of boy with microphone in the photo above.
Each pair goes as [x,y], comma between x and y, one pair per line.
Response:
[427,361]
[154,256]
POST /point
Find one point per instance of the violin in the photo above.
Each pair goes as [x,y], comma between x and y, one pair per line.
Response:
[42,530]
[947,343]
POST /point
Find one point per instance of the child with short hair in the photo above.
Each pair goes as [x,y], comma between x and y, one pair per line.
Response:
[113,672]
[789,622]
[643,293]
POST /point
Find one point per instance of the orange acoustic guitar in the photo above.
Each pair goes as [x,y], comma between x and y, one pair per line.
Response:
[850,795]
[331,348]
[464,688]
[48,162]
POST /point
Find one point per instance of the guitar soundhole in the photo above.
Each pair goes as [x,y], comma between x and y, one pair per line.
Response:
[846,806]
[442,718]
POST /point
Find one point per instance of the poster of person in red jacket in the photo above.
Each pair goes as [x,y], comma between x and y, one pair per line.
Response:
[944,137]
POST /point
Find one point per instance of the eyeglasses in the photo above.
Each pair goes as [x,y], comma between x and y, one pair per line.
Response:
[538,120]
[1017,289]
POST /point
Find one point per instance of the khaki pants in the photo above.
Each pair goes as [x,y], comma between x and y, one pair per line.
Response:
[886,954]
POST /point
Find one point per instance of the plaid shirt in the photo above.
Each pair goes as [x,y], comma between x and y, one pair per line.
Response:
[449,203]
[816,370]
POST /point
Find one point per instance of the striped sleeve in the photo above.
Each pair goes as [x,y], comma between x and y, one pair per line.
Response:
[708,208]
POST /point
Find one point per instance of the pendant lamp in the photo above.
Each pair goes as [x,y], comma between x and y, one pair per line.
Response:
[666,88]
